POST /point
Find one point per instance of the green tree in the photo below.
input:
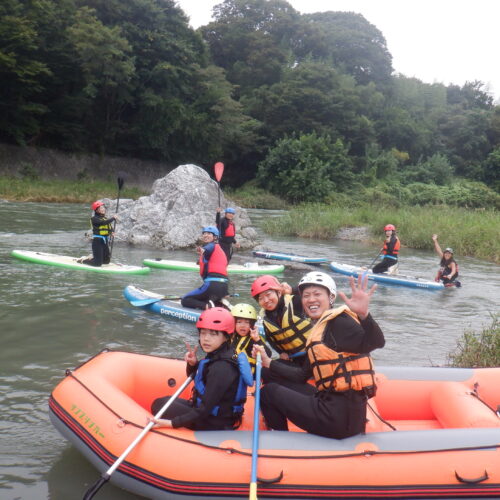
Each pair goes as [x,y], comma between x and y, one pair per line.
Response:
[348,41]
[307,168]
[21,70]
[107,65]
[250,39]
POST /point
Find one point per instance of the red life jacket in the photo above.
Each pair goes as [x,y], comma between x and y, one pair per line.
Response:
[216,264]
[230,229]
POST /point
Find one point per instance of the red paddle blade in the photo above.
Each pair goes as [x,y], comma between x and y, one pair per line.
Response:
[219,170]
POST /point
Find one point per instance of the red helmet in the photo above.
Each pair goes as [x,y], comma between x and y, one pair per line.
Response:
[263,283]
[96,205]
[216,318]
[390,227]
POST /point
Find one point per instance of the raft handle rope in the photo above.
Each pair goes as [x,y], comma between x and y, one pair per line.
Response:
[380,418]
[475,393]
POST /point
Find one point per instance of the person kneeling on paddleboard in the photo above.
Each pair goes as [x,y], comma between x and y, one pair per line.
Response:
[220,380]
[213,270]
[102,231]
[389,251]
[448,270]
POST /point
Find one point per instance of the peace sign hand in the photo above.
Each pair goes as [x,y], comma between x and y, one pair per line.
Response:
[360,296]
[190,356]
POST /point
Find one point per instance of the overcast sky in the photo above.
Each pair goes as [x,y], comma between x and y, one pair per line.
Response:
[445,41]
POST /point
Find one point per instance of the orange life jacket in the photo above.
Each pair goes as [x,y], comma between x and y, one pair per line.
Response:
[338,371]
[395,250]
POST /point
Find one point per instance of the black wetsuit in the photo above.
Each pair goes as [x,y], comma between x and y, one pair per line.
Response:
[221,378]
[100,241]
[391,251]
[276,316]
[226,242]
[327,413]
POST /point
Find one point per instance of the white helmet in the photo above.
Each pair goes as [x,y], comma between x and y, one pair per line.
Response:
[321,279]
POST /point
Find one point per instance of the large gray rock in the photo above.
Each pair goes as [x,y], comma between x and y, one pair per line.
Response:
[180,204]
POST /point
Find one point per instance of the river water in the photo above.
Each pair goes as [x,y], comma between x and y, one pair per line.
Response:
[52,319]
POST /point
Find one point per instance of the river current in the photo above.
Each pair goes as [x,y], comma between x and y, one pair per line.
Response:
[52,319]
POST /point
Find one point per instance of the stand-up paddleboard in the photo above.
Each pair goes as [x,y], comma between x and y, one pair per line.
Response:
[289,257]
[247,268]
[393,279]
[159,304]
[51,259]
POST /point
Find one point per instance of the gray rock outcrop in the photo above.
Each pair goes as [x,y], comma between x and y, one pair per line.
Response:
[180,204]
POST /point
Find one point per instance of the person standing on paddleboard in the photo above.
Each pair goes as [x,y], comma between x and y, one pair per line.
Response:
[213,270]
[102,230]
[390,250]
[227,231]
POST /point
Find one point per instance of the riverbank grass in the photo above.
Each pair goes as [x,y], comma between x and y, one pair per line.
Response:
[472,232]
[62,191]
[478,349]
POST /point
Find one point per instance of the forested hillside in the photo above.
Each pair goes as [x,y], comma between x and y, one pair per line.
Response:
[306,104]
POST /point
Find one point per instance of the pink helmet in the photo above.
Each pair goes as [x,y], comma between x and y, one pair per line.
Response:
[216,318]
[263,283]
[390,227]
[96,205]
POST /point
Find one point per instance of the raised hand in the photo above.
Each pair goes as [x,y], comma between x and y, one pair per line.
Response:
[254,333]
[360,296]
[190,356]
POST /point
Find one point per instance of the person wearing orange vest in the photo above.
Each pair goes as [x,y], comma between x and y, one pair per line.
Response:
[102,230]
[390,250]
[227,231]
[213,270]
[337,358]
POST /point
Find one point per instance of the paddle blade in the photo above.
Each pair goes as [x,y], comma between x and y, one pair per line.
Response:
[121,182]
[219,170]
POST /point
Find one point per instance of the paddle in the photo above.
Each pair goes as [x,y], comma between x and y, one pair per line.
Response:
[152,300]
[219,170]
[252,494]
[378,255]
[120,181]
[106,475]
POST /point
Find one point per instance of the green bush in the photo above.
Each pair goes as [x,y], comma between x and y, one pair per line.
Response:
[478,350]
[307,168]
[29,172]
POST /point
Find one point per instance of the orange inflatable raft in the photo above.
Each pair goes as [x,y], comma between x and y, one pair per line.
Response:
[431,432]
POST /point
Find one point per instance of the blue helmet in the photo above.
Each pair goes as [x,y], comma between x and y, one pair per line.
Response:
[211,229]
[230,211]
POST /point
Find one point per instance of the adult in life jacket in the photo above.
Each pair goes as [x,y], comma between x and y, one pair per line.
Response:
[227,231]
[448,268]
[286,328]
[102,231]
[390,250]
[213,270]
[337,358]
[220,379]
[246,332]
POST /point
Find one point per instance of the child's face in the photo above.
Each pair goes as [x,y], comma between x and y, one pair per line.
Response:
[211,340]
[242,326]
[101,210]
